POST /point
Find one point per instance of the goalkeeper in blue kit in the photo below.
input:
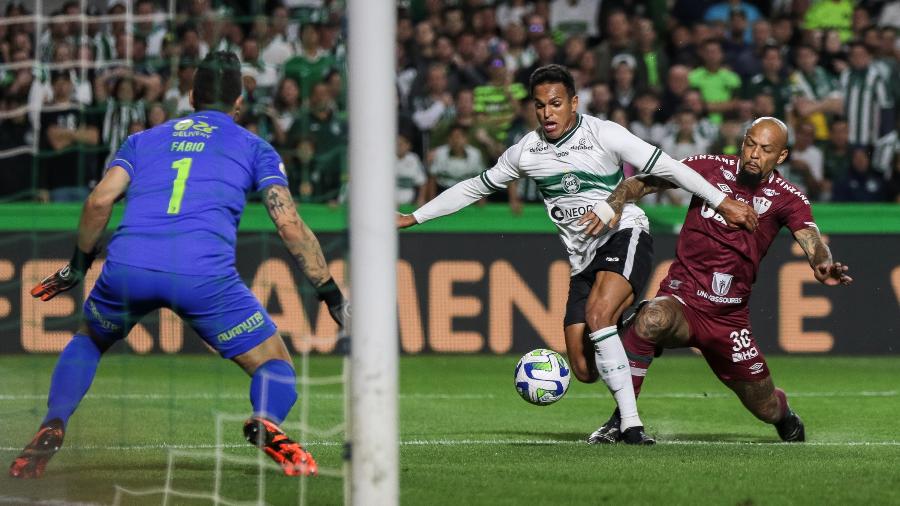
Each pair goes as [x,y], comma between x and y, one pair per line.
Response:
[186,182]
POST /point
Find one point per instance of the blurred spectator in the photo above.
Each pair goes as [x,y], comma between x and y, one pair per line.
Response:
[833,56]
[624,87]
[770,81]
[311,63]
[887,150]
[620,115]
[453,162]
[717,84]
[837,151]
[683,143]
[861,184]
[575,17]
[681,47]
[730,138]
[275,46]
[518,55]
[645,125]
[512,11]
[748,61]
[545,50]
[618,40]
[285,110]
[156,115]
[411,176]
[868,106]
[722,11]
[178,96]
[704,127]
[320,139]
[815,92]
[653,63]
[806,165]
[122,109]
[495,101]
[152,30]
[526,121]
[429,109]
[677,84]
[890,15]
[600,103]
[66,169]
[830,14]
[264,75]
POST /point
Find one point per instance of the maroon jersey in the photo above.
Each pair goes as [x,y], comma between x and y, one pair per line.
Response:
[716,266]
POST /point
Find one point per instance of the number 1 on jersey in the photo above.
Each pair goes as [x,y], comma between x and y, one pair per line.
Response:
[183,167]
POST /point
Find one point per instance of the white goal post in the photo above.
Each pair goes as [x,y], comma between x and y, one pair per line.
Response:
[373,419]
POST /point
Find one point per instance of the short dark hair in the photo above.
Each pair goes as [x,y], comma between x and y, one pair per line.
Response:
[552,73]
[217,83]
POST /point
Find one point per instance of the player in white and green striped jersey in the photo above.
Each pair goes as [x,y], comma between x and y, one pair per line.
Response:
[576,161]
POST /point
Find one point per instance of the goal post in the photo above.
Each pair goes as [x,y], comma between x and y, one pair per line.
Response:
[374,434]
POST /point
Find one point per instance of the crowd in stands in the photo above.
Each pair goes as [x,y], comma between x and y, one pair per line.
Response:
[686,75]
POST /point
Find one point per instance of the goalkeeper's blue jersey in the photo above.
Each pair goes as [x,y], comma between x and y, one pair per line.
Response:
[189,180]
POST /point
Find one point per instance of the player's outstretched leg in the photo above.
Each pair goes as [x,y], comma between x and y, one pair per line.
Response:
[72,377]
[273,392]
[770,405]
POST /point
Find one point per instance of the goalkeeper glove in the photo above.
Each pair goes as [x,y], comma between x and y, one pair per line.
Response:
[338,306]
[66,278]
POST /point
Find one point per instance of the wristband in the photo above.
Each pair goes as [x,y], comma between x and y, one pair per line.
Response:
[330,293]
[604,211]
[81,261]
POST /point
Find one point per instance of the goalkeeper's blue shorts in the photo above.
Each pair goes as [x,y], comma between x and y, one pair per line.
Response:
[221,309]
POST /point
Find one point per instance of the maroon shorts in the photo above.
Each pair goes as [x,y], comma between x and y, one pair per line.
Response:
[726,342]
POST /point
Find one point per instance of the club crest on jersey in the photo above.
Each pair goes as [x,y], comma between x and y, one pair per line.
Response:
[761,204]
[721,283]
[770,192]
[571,183]
[727,174]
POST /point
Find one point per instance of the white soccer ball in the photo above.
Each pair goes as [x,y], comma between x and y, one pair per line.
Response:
[542,376]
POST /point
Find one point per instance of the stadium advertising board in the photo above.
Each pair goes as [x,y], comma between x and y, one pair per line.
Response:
[472,293]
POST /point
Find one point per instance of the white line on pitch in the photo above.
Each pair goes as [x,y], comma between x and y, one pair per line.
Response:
[472,442]
[436,396]
[8,499]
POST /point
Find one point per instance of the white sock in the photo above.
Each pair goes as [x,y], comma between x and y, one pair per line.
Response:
[615,372]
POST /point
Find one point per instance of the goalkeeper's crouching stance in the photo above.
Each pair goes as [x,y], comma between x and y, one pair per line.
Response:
[175,248]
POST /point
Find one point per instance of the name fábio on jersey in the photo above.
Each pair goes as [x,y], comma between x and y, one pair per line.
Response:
[187,146]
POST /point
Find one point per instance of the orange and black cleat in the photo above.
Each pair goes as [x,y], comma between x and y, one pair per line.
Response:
[294,460]
[33,459]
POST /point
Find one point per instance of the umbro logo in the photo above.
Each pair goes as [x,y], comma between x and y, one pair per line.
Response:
[725,188]
[612,259]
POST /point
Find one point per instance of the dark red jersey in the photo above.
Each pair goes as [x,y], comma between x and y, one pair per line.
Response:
[716,266]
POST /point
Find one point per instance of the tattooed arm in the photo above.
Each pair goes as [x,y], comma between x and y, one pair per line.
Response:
[826,270]
[630,190]
[297,237]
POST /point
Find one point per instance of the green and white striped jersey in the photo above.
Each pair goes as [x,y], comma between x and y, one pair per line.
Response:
[865,95]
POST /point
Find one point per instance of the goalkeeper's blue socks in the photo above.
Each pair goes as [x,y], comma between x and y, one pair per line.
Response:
[273,390]
[72,377]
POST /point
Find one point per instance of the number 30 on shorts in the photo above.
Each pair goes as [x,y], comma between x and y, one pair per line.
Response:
[741,339]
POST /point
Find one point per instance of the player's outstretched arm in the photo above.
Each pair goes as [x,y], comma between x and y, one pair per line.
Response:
[826,270]
[304,247]
[447,202]
[94,218]
[608,212]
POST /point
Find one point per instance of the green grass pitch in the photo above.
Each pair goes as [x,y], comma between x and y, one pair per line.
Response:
[467,438]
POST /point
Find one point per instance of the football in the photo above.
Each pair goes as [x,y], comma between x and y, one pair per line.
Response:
[542,376]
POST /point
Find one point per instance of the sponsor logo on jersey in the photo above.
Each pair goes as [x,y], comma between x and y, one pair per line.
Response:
[747,354]
[770,192]
[559,213]
[724,187]
[540,147]
[756,368]
[570,183]
[612,259]
[582,144]
[190,128]
[761,205]
[184,124]
[721,283]
[674,284]
[99,318]
[715,158]
[727,174]
[707,212]
[562,154]
[792,190]
[717,299]
[252,323]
